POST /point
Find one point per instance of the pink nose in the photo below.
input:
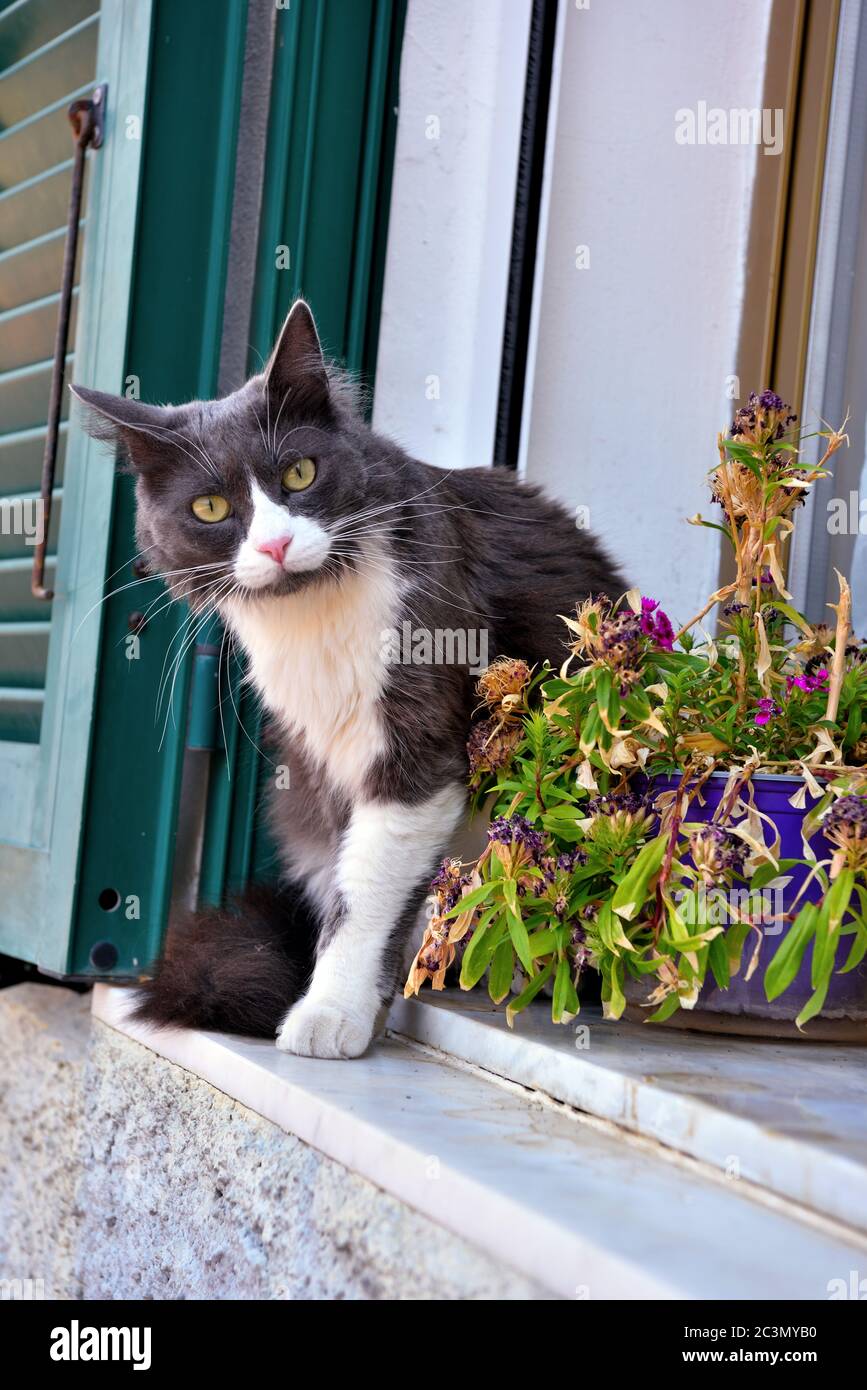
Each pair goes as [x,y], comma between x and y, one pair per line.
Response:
[276,549]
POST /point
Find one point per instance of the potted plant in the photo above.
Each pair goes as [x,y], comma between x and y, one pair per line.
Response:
[684,814]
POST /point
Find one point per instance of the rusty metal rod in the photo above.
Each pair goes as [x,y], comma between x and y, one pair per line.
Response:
[86,118]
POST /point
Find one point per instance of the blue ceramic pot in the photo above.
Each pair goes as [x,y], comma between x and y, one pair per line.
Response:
[743,1007]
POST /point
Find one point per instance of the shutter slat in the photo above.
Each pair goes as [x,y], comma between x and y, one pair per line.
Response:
[21,459]
[23,651]
[33,269]
[27,332]
[41,140]
[17,603]
[30,24]
[36,206]
[15,547]
[24,396]
[21,714]
[43,76]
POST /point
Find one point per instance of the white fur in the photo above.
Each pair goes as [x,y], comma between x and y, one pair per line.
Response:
[308,550]
[316,658]
[387,850]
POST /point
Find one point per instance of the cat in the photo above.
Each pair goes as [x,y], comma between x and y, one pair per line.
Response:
[314,539]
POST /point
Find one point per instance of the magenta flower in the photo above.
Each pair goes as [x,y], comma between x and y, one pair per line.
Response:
[655,624]
[768,709]
[808,683]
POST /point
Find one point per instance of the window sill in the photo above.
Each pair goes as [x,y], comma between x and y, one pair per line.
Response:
[788,1116]
[582,1206]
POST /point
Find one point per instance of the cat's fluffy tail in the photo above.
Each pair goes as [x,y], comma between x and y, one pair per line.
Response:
[232,970]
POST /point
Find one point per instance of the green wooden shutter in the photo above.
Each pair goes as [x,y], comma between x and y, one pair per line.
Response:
[49,54]
[47,58]
[327,191]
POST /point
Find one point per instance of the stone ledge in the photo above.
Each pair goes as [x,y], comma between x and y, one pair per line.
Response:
[788,1116]
[575,1205]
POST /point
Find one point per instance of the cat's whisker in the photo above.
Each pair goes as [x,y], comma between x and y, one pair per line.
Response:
[275,453]
[194,628]
[168,599]
[252,742]
[153,429]
[393,529]
[418,588]
[144,579]
[406,501]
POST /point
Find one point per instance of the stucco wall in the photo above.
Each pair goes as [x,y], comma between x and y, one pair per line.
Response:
[637,336]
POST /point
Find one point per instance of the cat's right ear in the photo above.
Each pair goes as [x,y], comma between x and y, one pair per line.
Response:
[142,433]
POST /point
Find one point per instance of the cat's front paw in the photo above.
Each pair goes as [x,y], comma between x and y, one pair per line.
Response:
[318,1028]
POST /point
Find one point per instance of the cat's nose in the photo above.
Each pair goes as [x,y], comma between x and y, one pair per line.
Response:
[276,549]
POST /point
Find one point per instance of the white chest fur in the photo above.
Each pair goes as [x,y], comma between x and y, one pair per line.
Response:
[316,658]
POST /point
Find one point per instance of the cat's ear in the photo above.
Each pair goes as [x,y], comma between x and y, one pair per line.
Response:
[144,434]
[296,370]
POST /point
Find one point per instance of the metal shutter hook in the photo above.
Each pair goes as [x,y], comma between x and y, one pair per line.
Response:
[87,118]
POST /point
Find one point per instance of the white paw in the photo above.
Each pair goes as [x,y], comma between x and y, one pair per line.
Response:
[318,1028]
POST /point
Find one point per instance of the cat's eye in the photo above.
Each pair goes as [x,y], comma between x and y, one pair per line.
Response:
[211,508]
[299,475]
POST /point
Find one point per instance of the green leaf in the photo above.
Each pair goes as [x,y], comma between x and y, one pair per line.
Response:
[831,914]
[669,1006]
[789,955]
[857,951]
[480,949]
[793,615]
[766,873]
[611,932]
[542,943]
[632,892]
[812,1006]
[472,899]
[734,938]
[853,726]
[603,688]
[502,970]
[565,1003]
[616,1000]
[719,962]
[528,994]
[515,922]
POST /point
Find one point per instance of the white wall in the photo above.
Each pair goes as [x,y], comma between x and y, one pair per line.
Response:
[463,66]
[632,354]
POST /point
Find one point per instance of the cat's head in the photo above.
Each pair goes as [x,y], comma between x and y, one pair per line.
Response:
[252,494]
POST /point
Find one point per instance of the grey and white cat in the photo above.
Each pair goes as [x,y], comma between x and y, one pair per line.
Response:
[313,538]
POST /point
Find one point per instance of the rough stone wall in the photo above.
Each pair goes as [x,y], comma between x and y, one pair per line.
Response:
[43,1042]
[124,1176]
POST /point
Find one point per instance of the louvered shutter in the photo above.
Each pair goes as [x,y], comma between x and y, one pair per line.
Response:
[51,52]
[47,58]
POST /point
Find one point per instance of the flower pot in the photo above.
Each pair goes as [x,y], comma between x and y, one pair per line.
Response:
[743,1007]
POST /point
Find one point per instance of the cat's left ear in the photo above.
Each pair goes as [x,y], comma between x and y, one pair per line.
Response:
[296,368]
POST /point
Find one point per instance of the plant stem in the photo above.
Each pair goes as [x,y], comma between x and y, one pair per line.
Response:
[843,609]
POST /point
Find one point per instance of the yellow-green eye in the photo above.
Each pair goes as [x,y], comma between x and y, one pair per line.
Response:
[210,508]
[299,475]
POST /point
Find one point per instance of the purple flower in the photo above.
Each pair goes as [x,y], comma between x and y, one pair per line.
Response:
[655,624]
[715,852]
[517,830]
[448,884]
[847,817]
[845,826]
[767,710]
[808,683]
[568,861]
